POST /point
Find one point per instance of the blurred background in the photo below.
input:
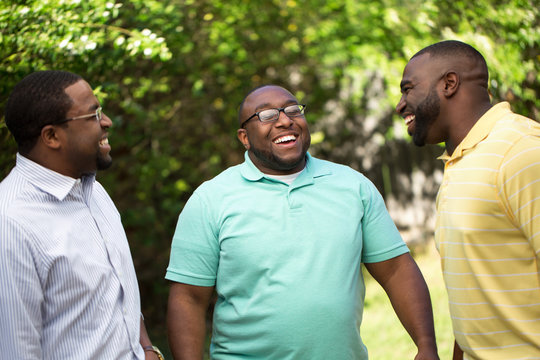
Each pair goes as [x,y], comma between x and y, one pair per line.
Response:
[171,74]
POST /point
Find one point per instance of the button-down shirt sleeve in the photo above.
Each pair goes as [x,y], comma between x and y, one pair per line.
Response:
[21,299]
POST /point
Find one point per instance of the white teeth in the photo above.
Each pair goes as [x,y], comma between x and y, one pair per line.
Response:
[285,138]
[104,141]
[409,119]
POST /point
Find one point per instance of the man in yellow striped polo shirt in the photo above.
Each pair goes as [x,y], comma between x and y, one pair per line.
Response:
[488,206]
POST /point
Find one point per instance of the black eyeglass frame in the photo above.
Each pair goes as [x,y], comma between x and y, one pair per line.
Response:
[282,109]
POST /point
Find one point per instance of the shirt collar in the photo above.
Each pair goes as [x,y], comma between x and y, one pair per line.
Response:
[250,172]
[480,130]
[50,181]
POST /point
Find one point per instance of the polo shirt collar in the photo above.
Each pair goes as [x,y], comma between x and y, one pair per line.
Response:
[479,131]
[250,172]
[50,181]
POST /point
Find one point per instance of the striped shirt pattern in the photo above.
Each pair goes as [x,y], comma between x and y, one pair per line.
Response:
[488,235]
[68,285]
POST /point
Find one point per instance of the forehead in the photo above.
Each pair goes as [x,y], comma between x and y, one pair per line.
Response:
[268,96]
[81,94]
[420,68]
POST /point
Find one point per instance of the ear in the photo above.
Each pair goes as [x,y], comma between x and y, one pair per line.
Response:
[50,137]
[451,83]
[242,136]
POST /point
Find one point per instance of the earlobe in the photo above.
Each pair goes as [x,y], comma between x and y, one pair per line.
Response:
[242,136]
[451,83]
[49,137]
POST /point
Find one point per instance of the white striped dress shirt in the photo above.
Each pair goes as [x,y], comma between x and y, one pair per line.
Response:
[68,288]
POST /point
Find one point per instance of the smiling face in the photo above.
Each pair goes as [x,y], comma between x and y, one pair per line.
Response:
[279,147]
[420,103]
[86,145]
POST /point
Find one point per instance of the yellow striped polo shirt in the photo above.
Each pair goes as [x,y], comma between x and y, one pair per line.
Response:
[488,235]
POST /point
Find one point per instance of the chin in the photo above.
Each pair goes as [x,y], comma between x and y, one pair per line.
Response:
[419,139]
[104,163]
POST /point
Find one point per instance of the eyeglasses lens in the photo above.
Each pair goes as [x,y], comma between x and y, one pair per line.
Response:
[269,115]
[294,110]
[273,114]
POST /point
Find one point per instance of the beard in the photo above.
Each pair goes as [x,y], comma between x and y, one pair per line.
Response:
[425,115]
[103,162]
[271,161]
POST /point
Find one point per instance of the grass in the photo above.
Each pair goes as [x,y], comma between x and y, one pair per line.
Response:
[383,334]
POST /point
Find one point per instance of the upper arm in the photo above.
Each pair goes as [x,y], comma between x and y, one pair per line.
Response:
[195,246]
[22,295]
[188,303]
[198,296]
[384,271]
[381,238]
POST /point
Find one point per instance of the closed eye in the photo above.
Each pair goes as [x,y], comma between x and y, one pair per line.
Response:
[405,89]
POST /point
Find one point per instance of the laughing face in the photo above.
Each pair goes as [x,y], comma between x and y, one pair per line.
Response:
[86,144]
[420,104]
[278,147]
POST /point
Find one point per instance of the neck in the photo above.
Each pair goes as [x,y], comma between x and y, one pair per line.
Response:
[463,123]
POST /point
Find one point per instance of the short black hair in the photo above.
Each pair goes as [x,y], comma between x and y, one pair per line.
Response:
[38,100]
[452,49]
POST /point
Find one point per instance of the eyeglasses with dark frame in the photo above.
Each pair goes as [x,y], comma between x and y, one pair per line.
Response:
[98,114]
[270,115]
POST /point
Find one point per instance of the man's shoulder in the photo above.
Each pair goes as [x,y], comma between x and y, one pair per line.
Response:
[228,178]
[336,169]
[514,127]
[10,189]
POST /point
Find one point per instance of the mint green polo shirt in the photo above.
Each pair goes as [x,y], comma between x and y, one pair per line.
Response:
[285,260]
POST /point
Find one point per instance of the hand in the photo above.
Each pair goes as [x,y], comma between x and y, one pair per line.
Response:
[150,355]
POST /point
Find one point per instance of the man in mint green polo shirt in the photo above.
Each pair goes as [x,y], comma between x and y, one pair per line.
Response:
[281,238]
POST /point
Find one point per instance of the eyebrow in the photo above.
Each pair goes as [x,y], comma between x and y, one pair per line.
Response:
[94,106]
[268,105]
[403,83]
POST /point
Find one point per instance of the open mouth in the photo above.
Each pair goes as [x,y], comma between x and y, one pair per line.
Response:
[409,119]
[287,139]
[104,142]
[409,122]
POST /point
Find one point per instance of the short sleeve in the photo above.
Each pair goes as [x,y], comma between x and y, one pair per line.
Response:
[381,239]
[519,187]
[195,247]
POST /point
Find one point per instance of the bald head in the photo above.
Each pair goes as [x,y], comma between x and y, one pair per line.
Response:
[241,115]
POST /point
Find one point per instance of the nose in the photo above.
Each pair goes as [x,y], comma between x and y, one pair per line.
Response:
[106,121]
[283,120]
[400,107]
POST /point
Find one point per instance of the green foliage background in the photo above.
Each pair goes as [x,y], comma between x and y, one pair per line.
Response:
[171,74]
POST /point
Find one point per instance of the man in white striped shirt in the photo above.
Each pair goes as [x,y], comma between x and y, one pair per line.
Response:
[488,206]
[69,289]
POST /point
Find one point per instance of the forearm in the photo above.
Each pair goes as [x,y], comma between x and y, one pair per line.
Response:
[409,295]
[458,353]
[150,352]
[412,305]
[144,338]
